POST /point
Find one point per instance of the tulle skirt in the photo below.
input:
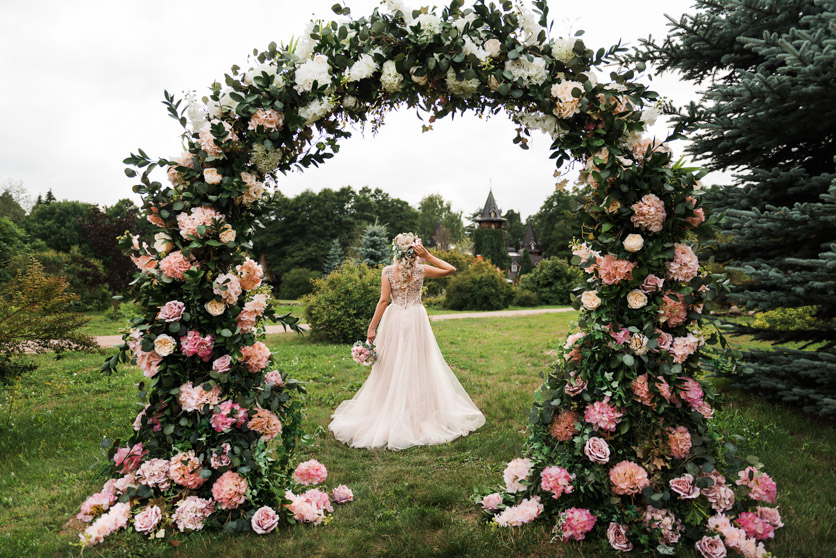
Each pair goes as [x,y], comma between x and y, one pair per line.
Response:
[411,397]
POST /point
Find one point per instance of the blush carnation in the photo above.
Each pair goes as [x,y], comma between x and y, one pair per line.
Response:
[679,441]
[575,523]
[562,427]
[556,480]
[649,213]
[230,490]
[255,356]
[310,472]
[264,520]
[525,512]
[628,478]
[515,473]
[602,415]
[685,265]
[175,265]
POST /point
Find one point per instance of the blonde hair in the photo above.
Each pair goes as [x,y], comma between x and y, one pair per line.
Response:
[406,264]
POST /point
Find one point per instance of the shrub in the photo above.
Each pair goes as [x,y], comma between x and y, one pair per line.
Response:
[341,305]
[459,260]
[525,297]
[552,280]
[297,282]
[480,287]
[788,319]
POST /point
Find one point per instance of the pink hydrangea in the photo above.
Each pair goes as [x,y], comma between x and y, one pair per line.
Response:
[222,364]
[755,526]
[250,274]
[652,284]
[342,494]
[274,377]
[203,216]
[220,459]
[491,502]
[309,507]
[148,519]
[148,362]
[602,415]
[194,344]
[613,271]
[575,523]
[194,398]
[679,441]
[269,119]
[175,265]
[191,513]
[516,472]
[230,490]
[673,311]
[685,265]
[127,459]
[720,496]
[246,321]
[683,347]
[319,498]
[264,520]
[628,478]
[562,427]
[96,505]
[115,519]
[761,486]
[257,304]
[255,356]
[171,311]
[649,213]
[665,391]
[557,480]
[699,213]
[266,423]
[641,391]
[310,472]
[209,143]
[691,393]
[684,487]
[154,472]
[525,512]
[228,415]
[184,469]
[664,520]
[228,287]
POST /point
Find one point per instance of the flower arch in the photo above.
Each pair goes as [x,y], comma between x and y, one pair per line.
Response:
[622,412]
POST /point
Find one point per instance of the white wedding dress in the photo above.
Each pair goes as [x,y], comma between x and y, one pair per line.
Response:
[411,397]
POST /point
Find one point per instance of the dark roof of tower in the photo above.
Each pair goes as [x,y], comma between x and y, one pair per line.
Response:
[529,238]
[491,211]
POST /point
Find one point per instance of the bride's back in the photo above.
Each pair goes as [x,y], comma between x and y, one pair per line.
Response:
[404,294]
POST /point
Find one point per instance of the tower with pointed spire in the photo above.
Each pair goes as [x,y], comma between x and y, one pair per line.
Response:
[491,218]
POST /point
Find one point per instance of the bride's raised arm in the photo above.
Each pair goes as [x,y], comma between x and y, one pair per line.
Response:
[438,267]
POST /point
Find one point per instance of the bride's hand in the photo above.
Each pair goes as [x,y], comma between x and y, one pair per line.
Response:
[370,335]
[420,251]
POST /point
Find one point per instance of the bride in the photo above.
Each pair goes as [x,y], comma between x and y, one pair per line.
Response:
[411,397]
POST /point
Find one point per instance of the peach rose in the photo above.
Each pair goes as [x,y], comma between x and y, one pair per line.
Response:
[590,300]
[164,345]
[636,299]
[492,47]
[633,242]
[212,176]
[215,307]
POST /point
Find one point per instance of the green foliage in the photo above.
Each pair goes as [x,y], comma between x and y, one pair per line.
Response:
[371,206]
[460,260]
[526,297]
[297,283]
[434,209]
[788,319]
[12,243]
[85,276]
[334,257]
[14,201]
[59,225]
[375,246]
[480,287]
[552,280]
[492,245]
[342,304]
[525,263]
[514,226]
[557,223]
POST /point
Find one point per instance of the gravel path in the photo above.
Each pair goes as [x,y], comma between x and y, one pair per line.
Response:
[111,340]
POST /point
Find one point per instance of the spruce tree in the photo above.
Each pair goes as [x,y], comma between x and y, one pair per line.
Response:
[334,257]
[767,69]
[525,264]
[375,248]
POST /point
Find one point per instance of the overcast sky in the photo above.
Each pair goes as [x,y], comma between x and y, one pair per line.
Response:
[83,82]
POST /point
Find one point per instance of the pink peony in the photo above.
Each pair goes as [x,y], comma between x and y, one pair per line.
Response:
[255,356]
[228,287]
[175,265]
[127,459]
[602,415]
[683,347]
[613,271]
[685,265]
[171,311]
[673,311]
[154,472]
[220,459]
[264,520]
[628,478]
[491,502]
[96,505]
[309,507]
[148,519]
[562,427]
[184,469]
[617,537]
[228,415]
[250,274]
[191,512]
[525,512]
[342,494]
[193,344]
[755,526]
[265,423]
[268,119]
[597,450]
[711,547]
[651,284]
[761,486]
[230,490]
[319,498]
[515,473]
[310,472]
[556,480]
[649,213]
[222,364]
[575,523]
[679,441]
[641,391]
[274,377]
[684,487]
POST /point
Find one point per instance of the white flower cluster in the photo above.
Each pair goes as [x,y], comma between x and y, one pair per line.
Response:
[472,48]
[463,88]
[461,22]
[395,6]
[562,50]
[316,109]
[430,24]
[305,46]
[196,112]
[316,70]
[531,28]
[532,73]
[391,79]
[224,104]
[540,121]
[649,117]
[266,68]
[364,68]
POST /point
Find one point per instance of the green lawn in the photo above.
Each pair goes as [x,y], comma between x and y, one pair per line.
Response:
[410,503]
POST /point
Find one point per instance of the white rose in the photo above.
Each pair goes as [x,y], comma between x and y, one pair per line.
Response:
[227,234]
[633,242]
[492,47]
[420,80]
[638,343]
[215,307]
[350,102]
[212,176]
[164,344]
[162,243]
[636,299]
[614,206]
[590,300]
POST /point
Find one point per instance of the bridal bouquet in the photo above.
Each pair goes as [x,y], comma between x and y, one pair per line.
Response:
[403,245]
[363,353]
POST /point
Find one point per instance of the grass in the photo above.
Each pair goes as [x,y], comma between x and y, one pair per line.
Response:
[409,503]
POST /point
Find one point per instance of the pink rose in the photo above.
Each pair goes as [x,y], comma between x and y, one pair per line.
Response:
[491,502]
[685,487]
[771,516]
[274,377]
[222,364]
[651,284]
[265,520]
[148,519]
[617,537]
[597,450]
[711,547]
[171,311]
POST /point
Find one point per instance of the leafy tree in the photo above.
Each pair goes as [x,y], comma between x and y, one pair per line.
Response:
[370,206]
[552,280]
[50,197]
[297,282]
[84,275]
[334,257]
[102,228]
[525,264]
[556,223]
[12,243]
[767,69]
[375,248]
[15,201]
[514,226]
[59,225]
[34,316]
[458,259]
[492,245]
[433,209]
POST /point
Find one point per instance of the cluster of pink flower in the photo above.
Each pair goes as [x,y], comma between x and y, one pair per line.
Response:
[649,213]
[230,490]
[641,391]
[683,347]
[193,344]
[203,216]
[153,419]
[115,519]
[268,119]
[310,472]
[699,213]
[250,274]
[175,265]
[209,143]
[620,335]
[628,478]
[556,480]
[253,309]
[127,459]
[665,521]
[310,506]
[679,441]
[525,512]
[255,356]
[154,472]
[673,311]
[228,287]
[719,495]
[491,502]
[611,270]
[761,486]
[691,393]
[266,423]
[228,415]
[744,539]
[191,512]
[575,523]
[562,427]
[193,398]
[516,473]
[148,361]
[685,265]
[573,353]
[603,416]
[175,176]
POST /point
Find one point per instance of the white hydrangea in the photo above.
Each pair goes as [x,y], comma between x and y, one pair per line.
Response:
[196,112]
[562,50]
[225,103]
[265,68]
[316,70]
[649,116]
[472,48]
[460,22]
[533,72]
[430,24]
[364,68]
[531,28]
[316,109]
[540,121]
[391,79]
[305,46]
[463,88]
[399,5]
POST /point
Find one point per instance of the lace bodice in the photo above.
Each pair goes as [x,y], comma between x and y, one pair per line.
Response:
[404,295]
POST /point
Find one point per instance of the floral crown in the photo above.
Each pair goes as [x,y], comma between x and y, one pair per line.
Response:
[403,246]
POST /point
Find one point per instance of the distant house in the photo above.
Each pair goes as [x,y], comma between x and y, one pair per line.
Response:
[491,218]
